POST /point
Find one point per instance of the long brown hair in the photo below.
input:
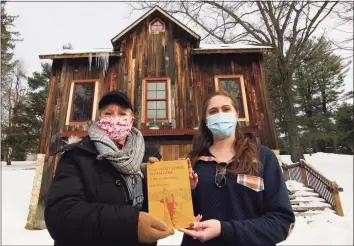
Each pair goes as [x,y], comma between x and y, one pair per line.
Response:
[246,159]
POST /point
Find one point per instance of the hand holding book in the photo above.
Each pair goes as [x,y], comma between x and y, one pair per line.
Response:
[193,176]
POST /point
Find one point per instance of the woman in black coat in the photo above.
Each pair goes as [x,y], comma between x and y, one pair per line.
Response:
[96,196]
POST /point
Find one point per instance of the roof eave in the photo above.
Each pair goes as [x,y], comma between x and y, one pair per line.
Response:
[76,55]
[231,51]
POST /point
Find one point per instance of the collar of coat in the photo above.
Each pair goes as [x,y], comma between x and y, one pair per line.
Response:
[85,144]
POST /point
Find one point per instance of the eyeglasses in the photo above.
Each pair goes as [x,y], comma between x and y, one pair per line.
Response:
[220,178]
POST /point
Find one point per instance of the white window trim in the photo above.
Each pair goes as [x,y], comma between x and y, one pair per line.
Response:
[243,91]
[95,101]
[143,104]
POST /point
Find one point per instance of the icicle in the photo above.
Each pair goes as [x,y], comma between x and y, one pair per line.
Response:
[97,61]
[105,62]
[102,61]
[90,61]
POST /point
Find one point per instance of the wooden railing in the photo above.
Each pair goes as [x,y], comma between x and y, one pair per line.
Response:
[306,174]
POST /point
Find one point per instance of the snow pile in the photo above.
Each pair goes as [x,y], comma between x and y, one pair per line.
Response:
[311,213]
[296,186]
[308,199]
[314,204]
[322,229]
[304,193]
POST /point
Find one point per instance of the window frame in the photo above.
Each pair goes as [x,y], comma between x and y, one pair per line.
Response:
[152,23]
[217,79]
[145,100]
[70,108]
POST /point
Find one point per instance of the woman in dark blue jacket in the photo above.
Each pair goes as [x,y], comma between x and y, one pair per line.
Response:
[237,187]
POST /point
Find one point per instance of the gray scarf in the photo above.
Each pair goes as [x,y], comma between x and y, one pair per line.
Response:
[126,160]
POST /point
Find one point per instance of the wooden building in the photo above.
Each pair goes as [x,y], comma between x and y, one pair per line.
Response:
[166,72]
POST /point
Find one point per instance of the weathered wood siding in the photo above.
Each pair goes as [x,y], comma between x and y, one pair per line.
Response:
[166,54]
[206,67]
[172,150]
[64,71]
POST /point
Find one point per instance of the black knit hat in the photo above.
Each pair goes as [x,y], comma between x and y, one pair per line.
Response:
[115,97]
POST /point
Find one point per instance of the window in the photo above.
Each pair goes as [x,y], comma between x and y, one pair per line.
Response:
[82,101]
[234,85]
[157,26]
[156,102]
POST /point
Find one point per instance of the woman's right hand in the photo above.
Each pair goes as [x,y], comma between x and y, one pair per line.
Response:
[151,229]
[193,176]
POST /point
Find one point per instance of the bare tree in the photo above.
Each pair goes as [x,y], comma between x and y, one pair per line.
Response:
[344,15]
[12,91]
[284,25]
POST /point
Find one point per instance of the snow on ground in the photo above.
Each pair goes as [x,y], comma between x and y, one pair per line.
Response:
[325,228]
[17,181]
[294,185]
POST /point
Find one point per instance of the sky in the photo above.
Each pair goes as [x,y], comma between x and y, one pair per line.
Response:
[46,26]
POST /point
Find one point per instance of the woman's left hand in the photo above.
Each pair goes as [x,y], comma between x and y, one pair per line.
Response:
[151,159]
[204,231]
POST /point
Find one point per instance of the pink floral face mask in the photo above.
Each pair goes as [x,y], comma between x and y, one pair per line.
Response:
[117,128]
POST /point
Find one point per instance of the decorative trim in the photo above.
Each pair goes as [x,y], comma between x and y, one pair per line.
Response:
[143,102]
[95,101]
[243,92]
[153,22]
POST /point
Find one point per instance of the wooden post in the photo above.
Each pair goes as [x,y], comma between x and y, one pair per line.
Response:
[34,207]
[286,172]
[303,173]
[277,154]
[336,199]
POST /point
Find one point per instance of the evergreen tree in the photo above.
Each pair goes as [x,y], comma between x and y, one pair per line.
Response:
[8,39]
[319,80]
[12,73]
[318,89]
[345,128]
[28,113]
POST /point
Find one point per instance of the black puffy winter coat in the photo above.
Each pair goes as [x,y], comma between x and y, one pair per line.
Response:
[87,202]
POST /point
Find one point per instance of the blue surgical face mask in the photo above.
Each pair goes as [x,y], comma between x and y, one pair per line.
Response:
[222,125]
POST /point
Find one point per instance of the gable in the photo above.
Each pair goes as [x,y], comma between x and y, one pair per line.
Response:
[160,14]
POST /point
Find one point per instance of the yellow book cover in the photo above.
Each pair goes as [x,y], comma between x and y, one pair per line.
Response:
[169,193]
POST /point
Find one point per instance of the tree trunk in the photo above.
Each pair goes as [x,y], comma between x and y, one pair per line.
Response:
[7,156]
[334,146]
[315,147]
[351,147]
[291,122]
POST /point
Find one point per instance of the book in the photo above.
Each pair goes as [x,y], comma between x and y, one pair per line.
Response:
[169,193]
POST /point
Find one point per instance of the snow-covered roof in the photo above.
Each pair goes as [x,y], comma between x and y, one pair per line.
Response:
[202,47]
[236,46]
[65,52]
[167,15]
[80,51]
